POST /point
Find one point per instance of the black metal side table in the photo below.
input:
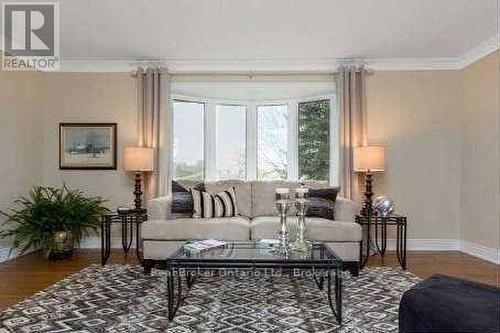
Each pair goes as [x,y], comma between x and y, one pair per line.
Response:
[129,220]
[379,240]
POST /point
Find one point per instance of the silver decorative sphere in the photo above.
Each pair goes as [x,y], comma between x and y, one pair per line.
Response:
[383,205]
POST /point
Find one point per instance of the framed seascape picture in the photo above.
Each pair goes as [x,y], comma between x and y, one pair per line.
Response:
[87,146]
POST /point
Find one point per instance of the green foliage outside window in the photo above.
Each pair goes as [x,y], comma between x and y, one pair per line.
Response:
[189,171]
[314,140]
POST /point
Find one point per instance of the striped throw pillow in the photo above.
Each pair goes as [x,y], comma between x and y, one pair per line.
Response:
[206,205]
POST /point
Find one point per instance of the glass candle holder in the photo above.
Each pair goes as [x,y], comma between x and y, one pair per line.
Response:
[282,194]
[283,206]
[301,192]
[301,244]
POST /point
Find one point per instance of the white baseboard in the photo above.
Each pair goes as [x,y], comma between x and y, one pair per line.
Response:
[427,244]
[412,245]
[415,244]
[88,243]
[95,242]
[480,251]
[475,250]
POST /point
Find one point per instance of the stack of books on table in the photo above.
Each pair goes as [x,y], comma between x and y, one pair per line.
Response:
[204,245]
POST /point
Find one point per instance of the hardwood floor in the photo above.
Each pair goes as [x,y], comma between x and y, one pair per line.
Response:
[22,277]
[453,263]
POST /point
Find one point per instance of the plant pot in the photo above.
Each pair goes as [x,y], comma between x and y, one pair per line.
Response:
[64,245]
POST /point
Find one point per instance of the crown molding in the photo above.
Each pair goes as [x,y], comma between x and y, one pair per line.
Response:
[480,51]
[96,66]
[413,64]
[261,65]
[297,65]
[244,66]
[205,66]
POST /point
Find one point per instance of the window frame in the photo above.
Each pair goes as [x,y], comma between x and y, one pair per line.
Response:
[251,134]
[288,104]
[214,145]
[334,165]
[204,145]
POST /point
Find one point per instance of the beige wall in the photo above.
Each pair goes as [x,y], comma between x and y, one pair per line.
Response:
[480,197]
[21,135]
[441,131]
[416,115]
[441,165]
[89,97]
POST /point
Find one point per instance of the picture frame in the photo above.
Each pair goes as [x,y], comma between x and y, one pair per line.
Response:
[87,146]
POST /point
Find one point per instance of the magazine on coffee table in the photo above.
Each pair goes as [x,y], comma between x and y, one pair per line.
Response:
[204,245]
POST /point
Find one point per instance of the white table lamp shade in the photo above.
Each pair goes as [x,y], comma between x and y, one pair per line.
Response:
[369,158]
[138,159]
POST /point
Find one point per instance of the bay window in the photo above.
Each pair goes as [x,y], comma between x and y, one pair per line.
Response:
[314,140]
[230,143]
[272,142]
[294,139]
[188,150]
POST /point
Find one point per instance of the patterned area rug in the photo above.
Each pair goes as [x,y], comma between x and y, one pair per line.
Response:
[119,298]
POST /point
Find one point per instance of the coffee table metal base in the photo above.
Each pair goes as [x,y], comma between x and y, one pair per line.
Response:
[175,294]
[174,301]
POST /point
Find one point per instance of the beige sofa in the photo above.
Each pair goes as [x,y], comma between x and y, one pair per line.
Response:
[162,234]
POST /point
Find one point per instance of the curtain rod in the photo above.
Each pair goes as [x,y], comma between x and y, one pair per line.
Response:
[163,64]
[260,73]
[251,74]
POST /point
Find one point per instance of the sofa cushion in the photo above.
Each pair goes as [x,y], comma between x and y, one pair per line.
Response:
[243,193]
[318,229]
[182,202]
[322,202]
[345,209]
[207,205]
[231,228]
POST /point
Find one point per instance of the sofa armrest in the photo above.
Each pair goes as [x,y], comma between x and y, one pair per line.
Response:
[159,208]
[345,209]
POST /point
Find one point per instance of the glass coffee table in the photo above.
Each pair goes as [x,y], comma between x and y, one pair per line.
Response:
[320,263]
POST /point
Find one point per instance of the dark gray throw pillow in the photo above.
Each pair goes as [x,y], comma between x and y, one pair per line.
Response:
[322,202]
[182,202]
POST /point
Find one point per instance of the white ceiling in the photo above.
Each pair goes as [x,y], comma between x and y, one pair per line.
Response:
[270,30]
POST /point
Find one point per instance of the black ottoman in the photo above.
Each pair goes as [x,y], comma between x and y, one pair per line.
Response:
[446,304]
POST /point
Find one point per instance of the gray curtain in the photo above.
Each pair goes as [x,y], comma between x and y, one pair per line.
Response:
[352,103]
[154,126]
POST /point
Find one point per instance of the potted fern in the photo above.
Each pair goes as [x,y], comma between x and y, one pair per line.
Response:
[52,220]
